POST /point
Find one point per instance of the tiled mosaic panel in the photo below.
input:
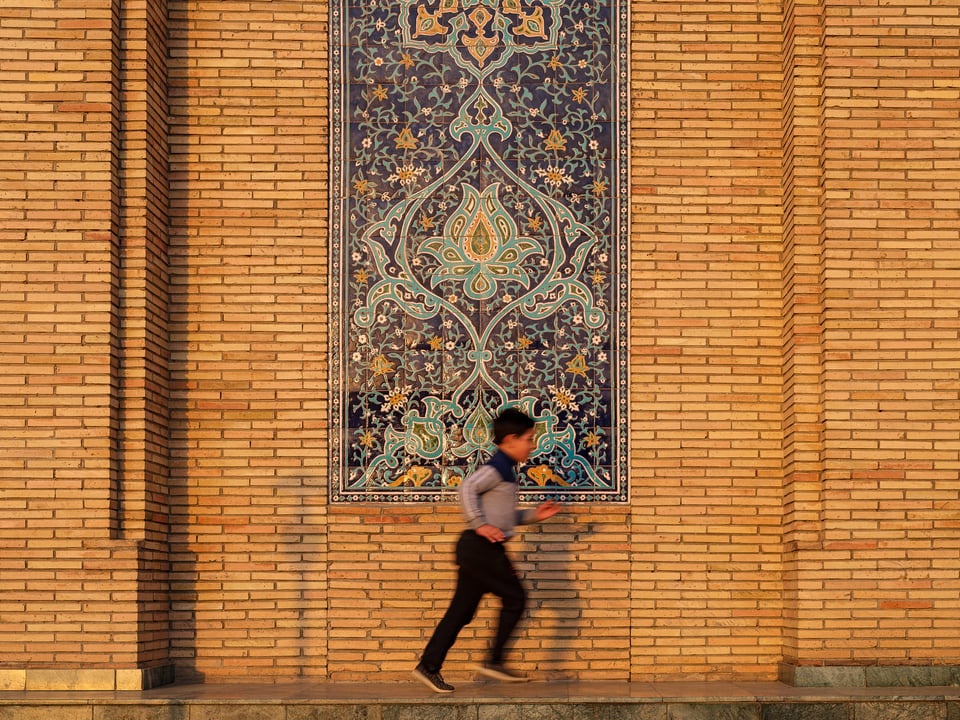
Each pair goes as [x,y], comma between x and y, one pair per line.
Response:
[479,243]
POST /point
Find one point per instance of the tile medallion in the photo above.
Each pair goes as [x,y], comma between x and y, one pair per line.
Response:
[479,243]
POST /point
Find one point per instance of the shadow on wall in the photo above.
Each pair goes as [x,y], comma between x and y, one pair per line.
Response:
[548,636]
[247,541]
[183,618]
[236,603]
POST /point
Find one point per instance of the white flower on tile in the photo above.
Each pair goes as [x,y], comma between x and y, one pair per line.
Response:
[396,398]
[563,398]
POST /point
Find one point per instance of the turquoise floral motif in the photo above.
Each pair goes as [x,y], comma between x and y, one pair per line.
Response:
[480,245]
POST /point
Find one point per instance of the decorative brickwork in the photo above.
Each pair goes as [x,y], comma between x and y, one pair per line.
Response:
[166,383]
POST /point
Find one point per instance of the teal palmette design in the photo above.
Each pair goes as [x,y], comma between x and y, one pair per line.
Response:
[481,281]
[480,244]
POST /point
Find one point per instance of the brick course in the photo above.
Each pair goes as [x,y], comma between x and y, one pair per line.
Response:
[794,398]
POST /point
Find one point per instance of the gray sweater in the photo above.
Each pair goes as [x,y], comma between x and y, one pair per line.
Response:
[488,497]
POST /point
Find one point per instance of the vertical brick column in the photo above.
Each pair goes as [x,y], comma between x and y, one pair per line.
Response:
[803,35]
[891,458]
[871,211]
[59,272]
[69,579]
[143,337]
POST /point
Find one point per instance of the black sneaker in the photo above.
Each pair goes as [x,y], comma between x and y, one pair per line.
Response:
[432,680]
[498,671]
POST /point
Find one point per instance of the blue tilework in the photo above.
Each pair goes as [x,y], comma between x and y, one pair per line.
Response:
[479,244]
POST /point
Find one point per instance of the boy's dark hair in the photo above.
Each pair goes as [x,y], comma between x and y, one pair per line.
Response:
[510,422]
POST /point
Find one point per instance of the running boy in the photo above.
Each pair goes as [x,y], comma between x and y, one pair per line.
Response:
[488,497]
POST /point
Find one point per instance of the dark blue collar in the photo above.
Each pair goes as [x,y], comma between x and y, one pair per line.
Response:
[504,464]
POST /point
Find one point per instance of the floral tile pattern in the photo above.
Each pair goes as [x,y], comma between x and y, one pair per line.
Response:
[479,244]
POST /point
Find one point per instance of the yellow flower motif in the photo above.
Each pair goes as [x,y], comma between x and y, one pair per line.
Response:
[380,93]
[416,476]
[592,439]
[597,277]
[381,366]
[436,343]
[578,366]
[534,222]
[554,63]
[406,60]
[599,187]
[543,476]
[361,276]
[427,222]
[362,186]
[555,141]
[405,140]
[366,440]
[579,95]
[524,343]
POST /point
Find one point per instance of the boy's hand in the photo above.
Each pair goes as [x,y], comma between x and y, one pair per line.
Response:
[491,533]
[547,510]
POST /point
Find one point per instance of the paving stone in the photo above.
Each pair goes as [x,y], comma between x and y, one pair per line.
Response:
[807,711]
[429,712]
[140,712]
[499,712]
[631,711]
[237,711]
[328,712]
[46,712]
[713,711]
[909,676]
[14,679]
[900,711]
[70,679]
[830,676]
[556,711]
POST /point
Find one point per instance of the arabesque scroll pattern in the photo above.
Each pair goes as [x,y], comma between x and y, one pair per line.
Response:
[478,249]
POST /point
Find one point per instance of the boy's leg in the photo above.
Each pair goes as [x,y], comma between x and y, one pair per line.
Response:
[503,582]
[462,608]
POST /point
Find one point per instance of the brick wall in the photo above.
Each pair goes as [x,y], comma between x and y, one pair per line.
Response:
[67,576]
[248,337]
[706,323]
[794,394]
[886,571]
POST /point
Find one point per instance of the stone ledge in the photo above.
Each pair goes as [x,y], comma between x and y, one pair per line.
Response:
[529,709]
[870,676]
[41,679]
[15,679]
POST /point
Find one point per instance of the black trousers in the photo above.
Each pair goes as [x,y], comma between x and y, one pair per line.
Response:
[484,568]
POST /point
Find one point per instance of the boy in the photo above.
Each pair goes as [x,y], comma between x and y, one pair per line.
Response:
[488,497]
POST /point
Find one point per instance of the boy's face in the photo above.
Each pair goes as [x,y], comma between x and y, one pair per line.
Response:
[519,447]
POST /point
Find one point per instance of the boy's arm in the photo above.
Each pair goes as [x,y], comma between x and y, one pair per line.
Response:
[541,512]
